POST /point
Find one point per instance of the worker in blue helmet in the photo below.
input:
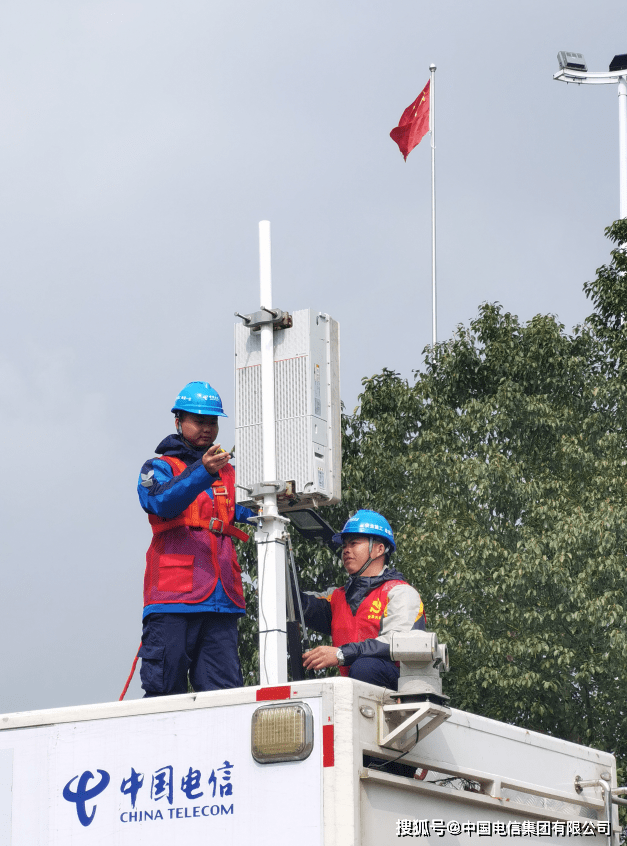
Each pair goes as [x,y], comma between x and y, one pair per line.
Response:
[193,591]
[361,616]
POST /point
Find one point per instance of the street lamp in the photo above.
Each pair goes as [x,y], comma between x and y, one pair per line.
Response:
[573,68]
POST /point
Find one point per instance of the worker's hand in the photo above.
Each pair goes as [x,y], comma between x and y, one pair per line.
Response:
[320,658]
[215,458]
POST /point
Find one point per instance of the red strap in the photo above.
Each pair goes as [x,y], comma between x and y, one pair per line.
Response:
[220,500]
[128,681]
[218,527]
[235,533]
[175,463]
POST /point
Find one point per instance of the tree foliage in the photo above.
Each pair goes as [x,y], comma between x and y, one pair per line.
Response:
[501,467]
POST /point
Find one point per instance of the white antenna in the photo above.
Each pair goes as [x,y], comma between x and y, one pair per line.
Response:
[287,438]
[270,546]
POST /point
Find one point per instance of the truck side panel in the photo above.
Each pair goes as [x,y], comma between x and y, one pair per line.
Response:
[172,778]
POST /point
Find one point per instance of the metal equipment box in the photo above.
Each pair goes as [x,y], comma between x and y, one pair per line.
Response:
[619,62]
[307,408]
[571,61]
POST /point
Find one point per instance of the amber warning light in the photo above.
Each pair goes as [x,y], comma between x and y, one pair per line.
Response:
[282,733]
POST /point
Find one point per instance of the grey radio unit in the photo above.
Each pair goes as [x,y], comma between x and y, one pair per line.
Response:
[307,411]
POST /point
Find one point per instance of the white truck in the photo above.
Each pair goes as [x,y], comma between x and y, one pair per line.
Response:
[299,763]
[310,763]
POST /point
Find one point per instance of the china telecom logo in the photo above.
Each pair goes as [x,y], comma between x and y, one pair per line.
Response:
[83,794]
[162,787]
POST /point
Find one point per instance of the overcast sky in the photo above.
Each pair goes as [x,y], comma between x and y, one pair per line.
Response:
[141,142]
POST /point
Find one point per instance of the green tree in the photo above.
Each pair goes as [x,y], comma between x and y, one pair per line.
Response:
[608,293]
[502,471]
[501,467]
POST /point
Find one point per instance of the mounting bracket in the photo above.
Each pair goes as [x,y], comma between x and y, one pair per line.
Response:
[254,322]
[396,720]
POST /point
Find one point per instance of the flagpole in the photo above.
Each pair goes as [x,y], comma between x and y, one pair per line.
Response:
[432,128]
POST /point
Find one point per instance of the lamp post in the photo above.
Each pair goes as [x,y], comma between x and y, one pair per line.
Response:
[573,68]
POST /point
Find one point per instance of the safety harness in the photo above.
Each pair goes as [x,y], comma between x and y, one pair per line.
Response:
[196,515]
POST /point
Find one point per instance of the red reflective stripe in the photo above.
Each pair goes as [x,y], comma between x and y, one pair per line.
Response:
[328,748]
[194,512]
[266,693]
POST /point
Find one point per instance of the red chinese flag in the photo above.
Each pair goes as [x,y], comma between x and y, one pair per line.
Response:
[414,123]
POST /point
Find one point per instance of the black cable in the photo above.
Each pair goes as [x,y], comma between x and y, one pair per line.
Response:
[394,760]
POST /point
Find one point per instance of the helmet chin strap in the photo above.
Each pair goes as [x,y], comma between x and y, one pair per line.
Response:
[179,430]
[369,561]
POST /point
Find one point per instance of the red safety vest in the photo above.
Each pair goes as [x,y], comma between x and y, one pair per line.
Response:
[189,553]
[347,627]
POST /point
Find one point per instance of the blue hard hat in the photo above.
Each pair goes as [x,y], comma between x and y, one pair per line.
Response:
[365,522]
[199,398]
